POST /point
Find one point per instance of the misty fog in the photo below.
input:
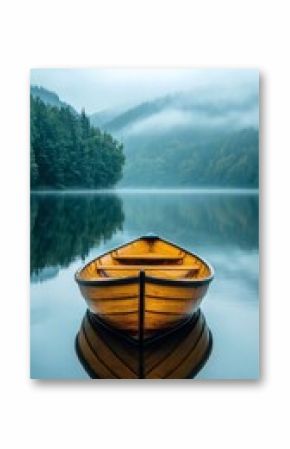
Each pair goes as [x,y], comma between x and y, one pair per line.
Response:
[178,127]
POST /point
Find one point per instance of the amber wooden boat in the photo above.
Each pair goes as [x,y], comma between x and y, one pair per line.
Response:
[179,355]
[148,283]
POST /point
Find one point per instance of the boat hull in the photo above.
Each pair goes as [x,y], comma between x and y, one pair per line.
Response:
[146,286]
[165,306]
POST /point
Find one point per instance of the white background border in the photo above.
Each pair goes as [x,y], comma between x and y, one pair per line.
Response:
[156,34]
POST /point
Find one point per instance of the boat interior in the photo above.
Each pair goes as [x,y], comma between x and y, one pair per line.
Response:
[156,257]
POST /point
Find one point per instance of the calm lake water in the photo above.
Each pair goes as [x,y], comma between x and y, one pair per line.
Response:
[69,229]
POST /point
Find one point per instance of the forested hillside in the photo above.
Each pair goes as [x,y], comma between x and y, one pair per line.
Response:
[67,152]
[191,159]
[194,109]
[191,139]
[185,139]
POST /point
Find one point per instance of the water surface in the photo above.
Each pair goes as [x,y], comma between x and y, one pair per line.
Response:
[69,229]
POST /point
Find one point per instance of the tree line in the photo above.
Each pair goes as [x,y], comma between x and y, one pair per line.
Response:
[67,152]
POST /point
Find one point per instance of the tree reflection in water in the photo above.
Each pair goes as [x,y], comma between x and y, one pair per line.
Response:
[64,227]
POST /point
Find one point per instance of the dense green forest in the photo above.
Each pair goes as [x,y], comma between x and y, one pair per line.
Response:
[67,152]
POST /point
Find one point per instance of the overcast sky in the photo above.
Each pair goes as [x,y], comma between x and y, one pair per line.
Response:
[101,89]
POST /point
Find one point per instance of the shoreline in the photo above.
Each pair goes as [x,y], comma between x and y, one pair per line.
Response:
[152,191]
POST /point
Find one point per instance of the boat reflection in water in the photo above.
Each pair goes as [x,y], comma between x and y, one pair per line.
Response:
[106,353]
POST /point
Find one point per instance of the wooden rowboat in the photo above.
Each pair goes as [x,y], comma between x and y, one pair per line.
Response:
[148,285]
[105,354]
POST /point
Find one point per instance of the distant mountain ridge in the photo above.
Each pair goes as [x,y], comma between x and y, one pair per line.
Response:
[189,109]
[141,111]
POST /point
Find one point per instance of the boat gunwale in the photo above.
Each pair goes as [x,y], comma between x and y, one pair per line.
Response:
[149,279]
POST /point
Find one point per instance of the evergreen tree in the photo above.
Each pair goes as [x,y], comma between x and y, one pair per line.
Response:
[67,152]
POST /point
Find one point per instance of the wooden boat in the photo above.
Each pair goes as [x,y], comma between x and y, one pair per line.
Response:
[107,355]
[148,283]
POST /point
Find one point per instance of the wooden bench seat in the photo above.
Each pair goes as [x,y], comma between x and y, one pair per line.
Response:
[148,256]
[149,267]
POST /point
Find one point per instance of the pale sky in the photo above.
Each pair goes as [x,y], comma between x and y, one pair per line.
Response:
[108,88]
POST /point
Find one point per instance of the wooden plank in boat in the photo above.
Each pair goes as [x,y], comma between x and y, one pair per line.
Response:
[168,305]
[165,291]
[116,305]
[111,291]
[153,321]
[148,256]
[165,305]
[148,267]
